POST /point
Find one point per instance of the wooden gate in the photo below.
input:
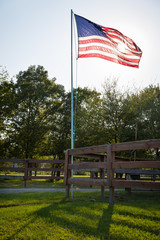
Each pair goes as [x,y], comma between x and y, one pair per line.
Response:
[107,164]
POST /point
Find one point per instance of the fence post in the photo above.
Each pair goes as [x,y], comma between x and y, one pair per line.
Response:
[67,173]
[102,176]
[110,173]
[25,172]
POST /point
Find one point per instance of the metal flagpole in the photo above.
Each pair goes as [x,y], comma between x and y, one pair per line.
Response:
[72,103]
[72,139]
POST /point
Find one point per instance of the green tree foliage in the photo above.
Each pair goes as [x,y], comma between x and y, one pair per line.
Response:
[87,105]
[35,115]
[59,136]
[89,121]
[6,96]
[131,116]
[6,109]
[113,111]
[37,102]
[149,107]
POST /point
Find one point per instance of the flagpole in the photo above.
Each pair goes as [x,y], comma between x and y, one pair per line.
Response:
[72,103]
[72,139]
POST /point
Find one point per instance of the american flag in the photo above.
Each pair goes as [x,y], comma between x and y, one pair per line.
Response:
[108,43]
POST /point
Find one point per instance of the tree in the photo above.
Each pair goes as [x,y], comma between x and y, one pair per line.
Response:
[88,129]
[37,101]
[113,111]
[130,117]
[149,99]
[59,136]
[6,109]
[89,121]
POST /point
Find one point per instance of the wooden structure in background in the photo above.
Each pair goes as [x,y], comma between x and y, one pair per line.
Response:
[27,167]
[107,165]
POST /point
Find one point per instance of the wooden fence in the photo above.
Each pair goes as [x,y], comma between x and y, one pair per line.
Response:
[28,166]
[108,165]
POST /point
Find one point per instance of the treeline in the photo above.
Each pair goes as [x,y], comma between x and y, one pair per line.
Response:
[35,115]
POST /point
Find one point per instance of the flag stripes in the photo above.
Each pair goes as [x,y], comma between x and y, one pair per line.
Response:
[107,43]
[92,47]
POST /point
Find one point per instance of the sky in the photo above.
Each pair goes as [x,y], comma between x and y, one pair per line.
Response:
[38,32]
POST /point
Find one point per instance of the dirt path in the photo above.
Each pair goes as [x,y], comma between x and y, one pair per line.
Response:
[23,190]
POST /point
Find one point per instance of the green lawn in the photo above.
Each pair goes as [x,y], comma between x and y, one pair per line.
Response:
[35,183]
[87,216]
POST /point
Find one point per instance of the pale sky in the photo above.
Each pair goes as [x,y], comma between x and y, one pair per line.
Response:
[37,32]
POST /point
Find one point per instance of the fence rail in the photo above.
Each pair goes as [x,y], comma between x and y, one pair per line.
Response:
[27,169]
[109,166]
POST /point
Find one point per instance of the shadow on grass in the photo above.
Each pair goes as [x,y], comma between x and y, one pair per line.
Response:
[77,217]
[77,221]
[88,218]
[14,235]
[70,217]
[138,215]
[105,222]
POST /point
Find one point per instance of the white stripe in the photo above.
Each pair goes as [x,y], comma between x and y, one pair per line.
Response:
[105,54]
[104,38]
[120,35]
[93,37]
[116,51]
[110,42]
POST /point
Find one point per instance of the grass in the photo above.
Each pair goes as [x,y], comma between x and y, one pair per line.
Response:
[88,216]
[35,183]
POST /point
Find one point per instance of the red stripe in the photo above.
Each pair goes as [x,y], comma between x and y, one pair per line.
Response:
[110,33]
[110,36]
[87,41]
[113,45]
[107,58]
[102,49]
[95,40]
[131,45]
[128,41]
